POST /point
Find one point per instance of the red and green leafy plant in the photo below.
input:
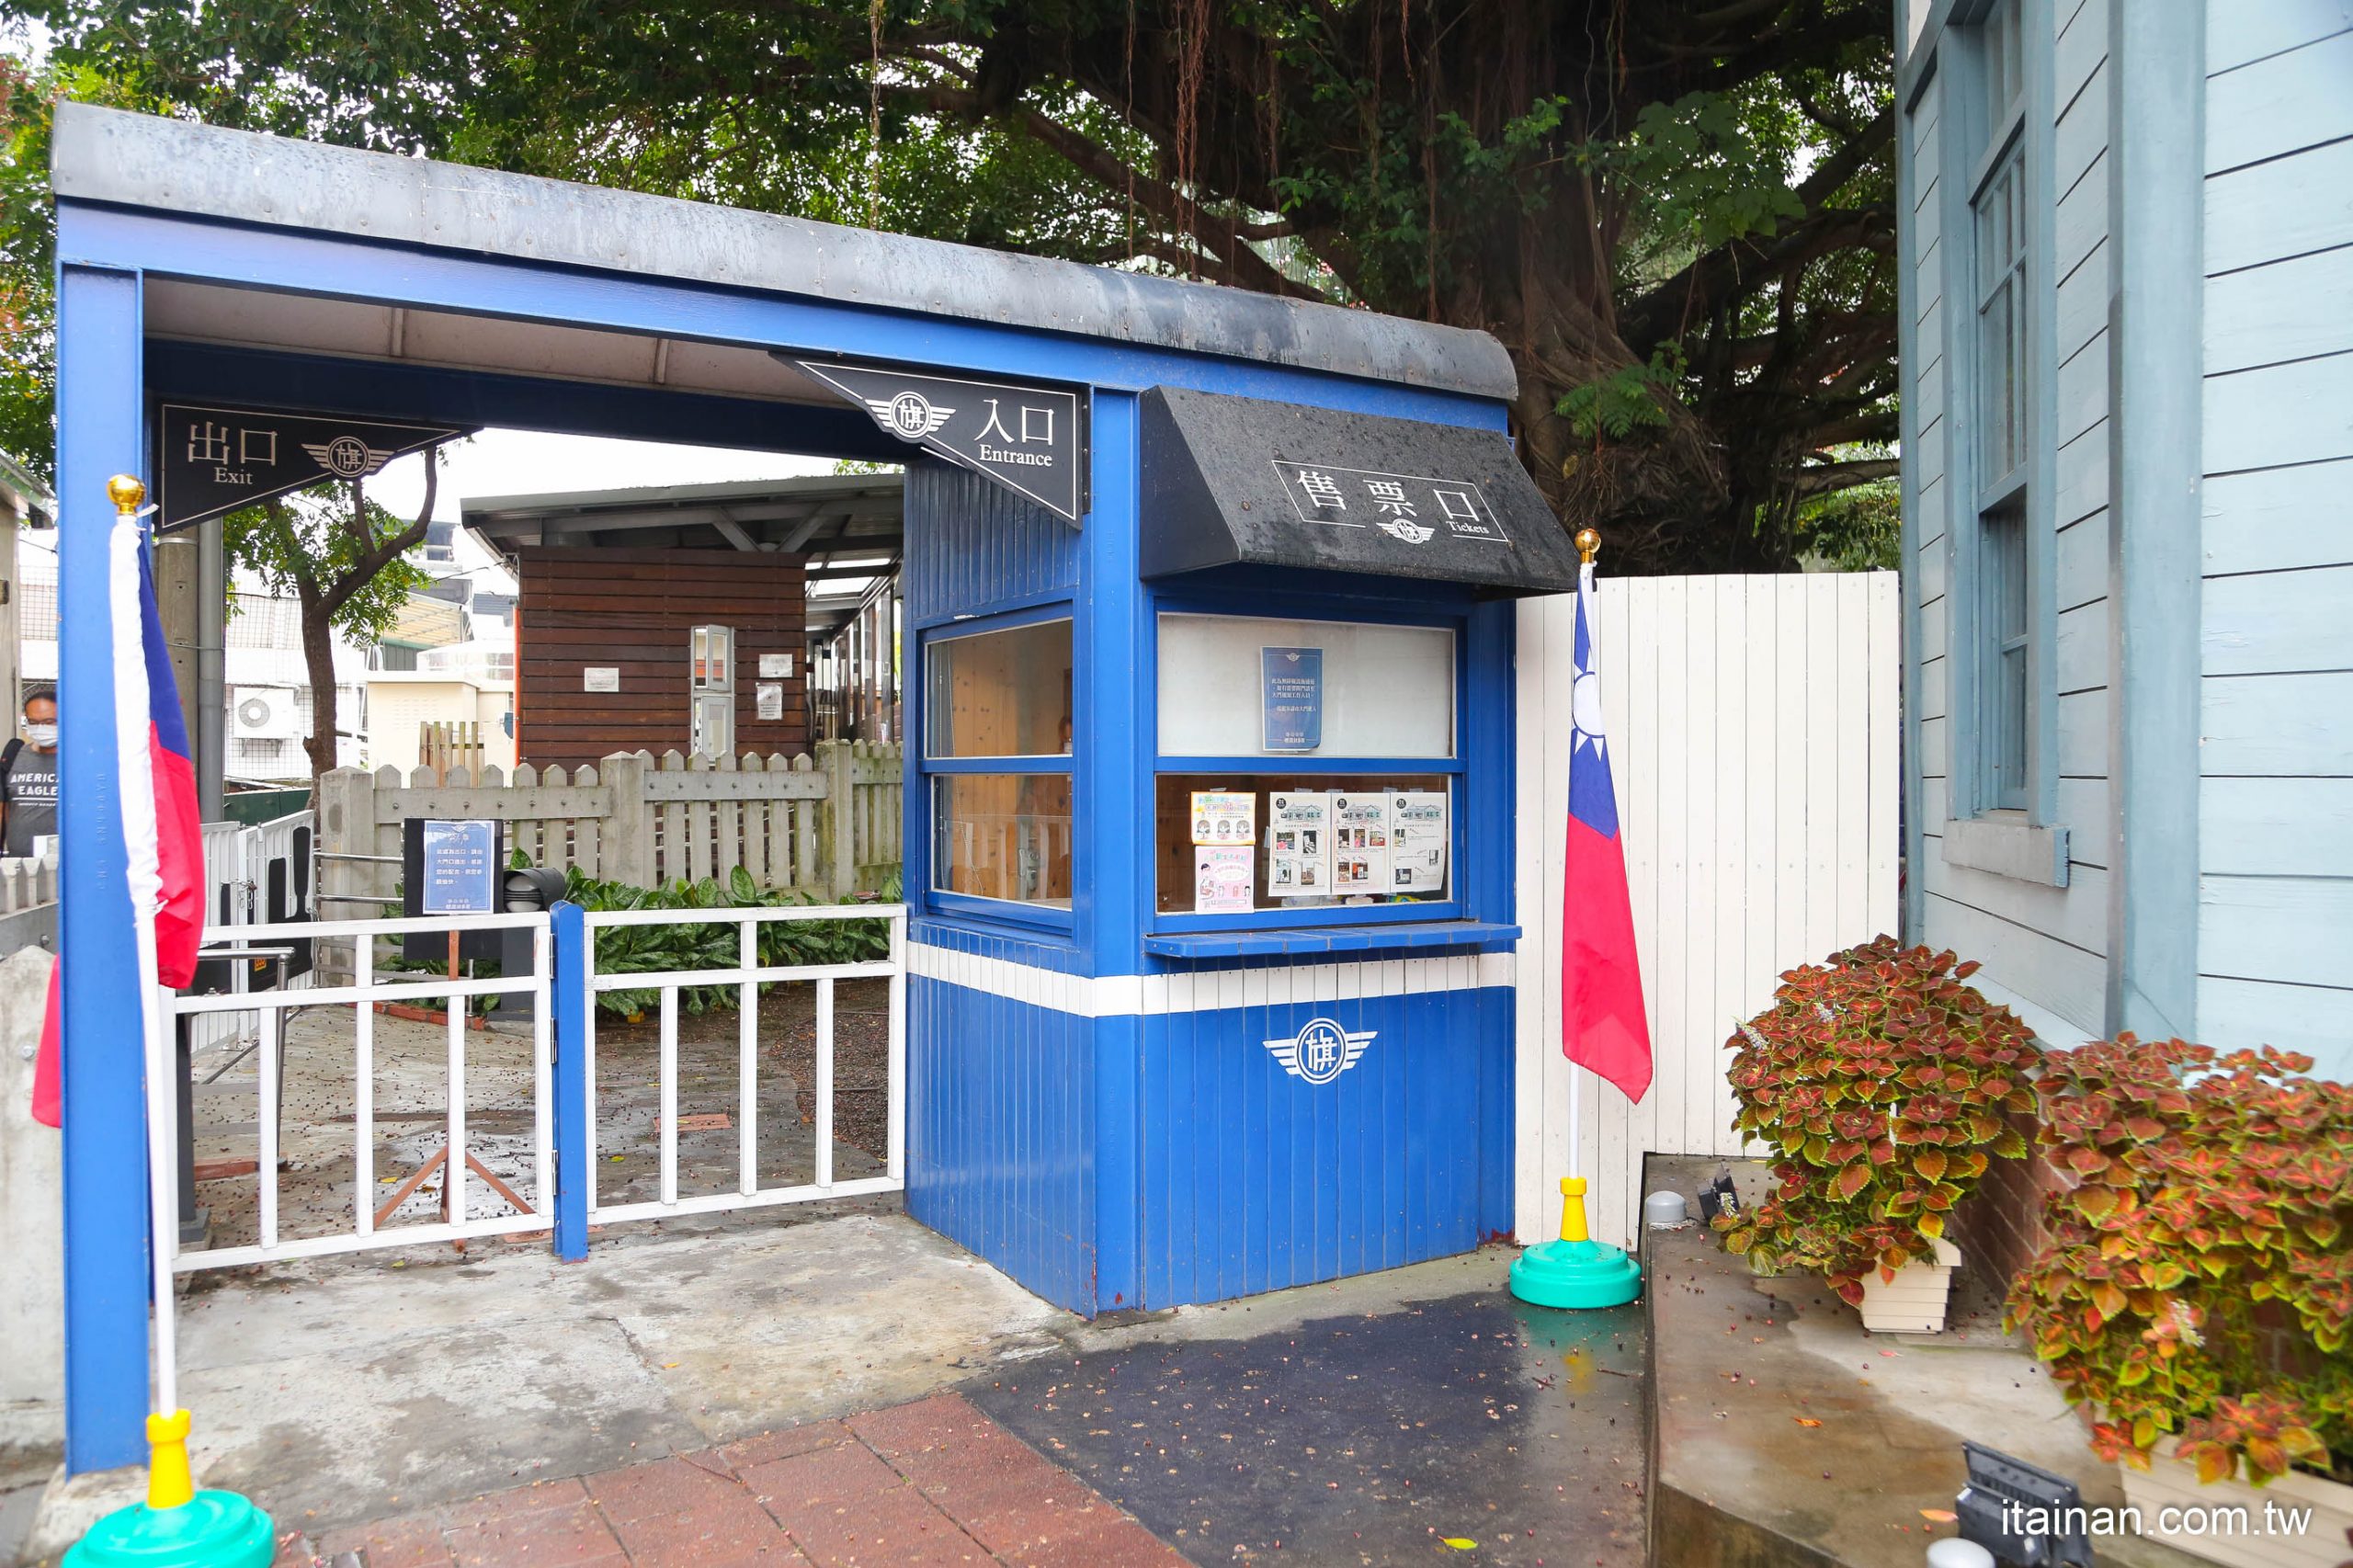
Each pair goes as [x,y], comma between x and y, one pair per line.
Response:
[2197,1279]
[1879,1079]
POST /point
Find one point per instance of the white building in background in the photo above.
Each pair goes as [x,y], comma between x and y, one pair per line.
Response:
[452,660]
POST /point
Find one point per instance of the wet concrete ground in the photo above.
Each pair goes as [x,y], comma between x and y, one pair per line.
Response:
[1373,1431]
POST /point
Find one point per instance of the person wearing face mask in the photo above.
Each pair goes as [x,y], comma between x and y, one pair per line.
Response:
[29,774]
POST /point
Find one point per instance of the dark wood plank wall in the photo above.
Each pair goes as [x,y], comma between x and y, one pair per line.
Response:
[632,609]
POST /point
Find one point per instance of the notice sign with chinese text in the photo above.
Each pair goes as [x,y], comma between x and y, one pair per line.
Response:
[1224,816]
[1410,507]
[217,459]
[460,871]
[1027,438]
[1293,679]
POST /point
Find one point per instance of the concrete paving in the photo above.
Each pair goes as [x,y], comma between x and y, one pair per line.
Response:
[1786,1433]
[341,1390]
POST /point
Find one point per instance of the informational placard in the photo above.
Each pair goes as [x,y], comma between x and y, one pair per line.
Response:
[776,666]
[1223,875]
[461,871]
[1225,816]
[600,677]
[1298,843]
[1292,680]
[768,698]
[1417,841]
[1360,844]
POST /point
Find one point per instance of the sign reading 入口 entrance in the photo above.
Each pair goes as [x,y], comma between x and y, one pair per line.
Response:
[1027,438]
[216,460]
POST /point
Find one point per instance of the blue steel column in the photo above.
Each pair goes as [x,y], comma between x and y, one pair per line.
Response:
[104,1134]
[568,1002]
[1113,805]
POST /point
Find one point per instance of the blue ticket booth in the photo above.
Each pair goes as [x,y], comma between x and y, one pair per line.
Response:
[1208,610]
[1211,802]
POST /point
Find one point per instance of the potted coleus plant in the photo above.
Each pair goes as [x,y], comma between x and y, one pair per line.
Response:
[1881,1081]
[2197,1289]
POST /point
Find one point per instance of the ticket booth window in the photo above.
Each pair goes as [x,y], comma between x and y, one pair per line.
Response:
[1307,768]
[998,751]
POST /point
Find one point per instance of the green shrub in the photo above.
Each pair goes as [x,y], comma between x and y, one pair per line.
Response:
[1879,1079]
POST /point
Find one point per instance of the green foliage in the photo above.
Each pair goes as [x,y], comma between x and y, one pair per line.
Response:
[1625,400]
[313,537]
[1677,215]
[1881,1080]
[2198,1277]
[645,949]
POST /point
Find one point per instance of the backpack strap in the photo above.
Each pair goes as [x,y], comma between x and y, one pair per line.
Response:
[7,761]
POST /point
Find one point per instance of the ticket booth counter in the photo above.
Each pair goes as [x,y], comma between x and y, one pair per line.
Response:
[1209,838]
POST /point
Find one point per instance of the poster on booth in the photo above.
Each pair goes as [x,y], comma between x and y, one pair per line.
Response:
[1298,843]
[1360,844]
[1225,816]
[1292,679]
[1223,875]
[1417,841]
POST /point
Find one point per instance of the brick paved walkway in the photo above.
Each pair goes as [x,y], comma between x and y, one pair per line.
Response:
[931,1483]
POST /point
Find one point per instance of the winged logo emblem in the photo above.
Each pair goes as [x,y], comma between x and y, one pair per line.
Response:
[910,415]
[1407,529]
[1321,1050]
[347,457]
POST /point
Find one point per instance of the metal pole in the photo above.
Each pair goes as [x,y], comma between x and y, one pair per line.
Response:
[211,678]
[569,1001]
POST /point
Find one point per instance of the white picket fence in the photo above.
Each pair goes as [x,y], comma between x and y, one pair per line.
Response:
[26,882]
[1753,740]
[826,824]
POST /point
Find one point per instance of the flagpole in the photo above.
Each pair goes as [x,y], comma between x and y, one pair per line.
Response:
[1588,543]
[1577,1272]
[177,1525]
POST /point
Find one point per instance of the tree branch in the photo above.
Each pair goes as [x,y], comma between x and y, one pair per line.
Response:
[391,546]
[1820,479]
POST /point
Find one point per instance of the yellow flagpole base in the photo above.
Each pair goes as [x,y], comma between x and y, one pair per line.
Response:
[177,1527]
[1576,1271]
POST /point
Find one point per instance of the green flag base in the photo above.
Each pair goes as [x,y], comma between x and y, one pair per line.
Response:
[1580,1274]
[211,1530]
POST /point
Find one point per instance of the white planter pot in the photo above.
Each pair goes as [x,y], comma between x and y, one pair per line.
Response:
[2168,1493]
[1913,1301]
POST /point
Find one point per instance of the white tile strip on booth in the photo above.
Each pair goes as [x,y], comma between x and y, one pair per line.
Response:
[1205,991]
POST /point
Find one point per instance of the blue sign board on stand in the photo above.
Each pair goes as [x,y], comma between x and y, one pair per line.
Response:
[461,868]
[1293,679]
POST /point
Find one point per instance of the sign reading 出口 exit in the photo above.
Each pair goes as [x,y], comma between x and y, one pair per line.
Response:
[213,461]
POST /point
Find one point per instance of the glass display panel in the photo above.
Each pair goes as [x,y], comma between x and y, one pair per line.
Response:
[1230,844]
[1230,684]
[999,693]
[1003,836]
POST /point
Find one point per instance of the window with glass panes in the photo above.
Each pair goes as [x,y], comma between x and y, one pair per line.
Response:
[1998,232]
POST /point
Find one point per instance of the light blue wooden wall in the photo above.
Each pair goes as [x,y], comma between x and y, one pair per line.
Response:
[2276,797]
[2047,944]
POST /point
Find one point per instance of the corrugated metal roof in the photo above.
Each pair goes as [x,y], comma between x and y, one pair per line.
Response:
[141,160]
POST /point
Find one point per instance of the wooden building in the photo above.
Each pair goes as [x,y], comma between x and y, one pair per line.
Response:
[682,616]
[2128,357]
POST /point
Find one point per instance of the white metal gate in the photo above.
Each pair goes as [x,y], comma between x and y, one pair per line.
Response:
[1753,733]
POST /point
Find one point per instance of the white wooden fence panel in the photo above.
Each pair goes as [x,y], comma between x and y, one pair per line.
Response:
[1754,745]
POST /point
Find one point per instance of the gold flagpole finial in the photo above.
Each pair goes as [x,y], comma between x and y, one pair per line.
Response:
[127,494]
[1589,545]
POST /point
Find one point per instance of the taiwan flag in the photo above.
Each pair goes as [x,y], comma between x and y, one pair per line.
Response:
[1602,1024]
[155,778]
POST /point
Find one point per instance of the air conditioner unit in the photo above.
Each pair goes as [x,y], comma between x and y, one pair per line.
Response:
[263,712]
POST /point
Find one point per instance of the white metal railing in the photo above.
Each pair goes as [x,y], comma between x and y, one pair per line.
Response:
[362,997]
[236,873]
[750,975]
